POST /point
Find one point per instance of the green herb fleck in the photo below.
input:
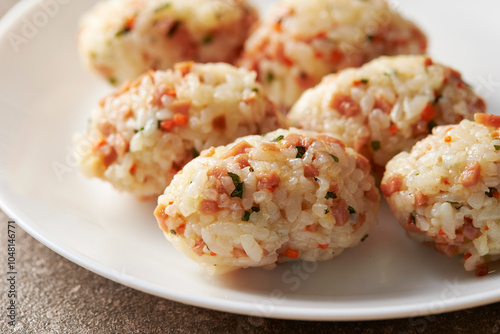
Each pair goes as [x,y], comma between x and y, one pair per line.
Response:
[162,7]
[316,179]
[239,186]
[208,39]
[364,237]
[455,204]
[497,147]
[112,81]
[370,37]
[255,209]
[326,211]
[246,216]
[375,145]
[413,220]
[330,195]
[279,138]
[364,81]
[270,77]
[351,210]
[300,152]
[173,232]
[173,29]
[122,32]
[431,125]
[141,129]
[256,90]
[334,158]
[195,152]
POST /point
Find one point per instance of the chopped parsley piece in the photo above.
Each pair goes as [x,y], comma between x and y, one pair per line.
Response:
[330,195]
[375,145]
[246,216]
[162,7]
[316,179]
[370,37]
[279,138]
[490,192]
[256,90]
[173,232]
[326,211]
[413,220]
[431,125]
[390,72]
[455,204]
[112,81]
[364,81]
[122,32]
[334,158]
[255,209]
[270,77]
[173,29]
[141,129]
[497,147]
[351,210]
[300,151]
[208,39]
[195,153]
[239,186]
[364,237]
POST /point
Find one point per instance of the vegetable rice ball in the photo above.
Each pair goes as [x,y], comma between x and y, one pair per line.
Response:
[121,39]
[304,40]
[446,191]
[145,132]
[265,199]
[387,105]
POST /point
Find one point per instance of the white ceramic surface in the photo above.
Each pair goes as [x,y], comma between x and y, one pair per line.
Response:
[45,96]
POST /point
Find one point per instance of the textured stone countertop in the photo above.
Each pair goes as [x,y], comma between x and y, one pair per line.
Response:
[58,296]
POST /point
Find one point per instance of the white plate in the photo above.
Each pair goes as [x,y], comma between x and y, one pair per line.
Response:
[45,96]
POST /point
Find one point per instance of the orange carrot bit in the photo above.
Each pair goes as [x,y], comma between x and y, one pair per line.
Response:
[180,119]
[487,228]
[336,56]
[133,169]
[312,228]
[100,143]
[212,253]
[468,255]
[160,211]
[321,34]
[495,193]
[324,246]
[318,54]
[288,62]
[277,26]
[356,83]
[429,147]
[428,113]
[130,23]
[184,67]
[494,134]
[441,232]
[173,171]
[181,229]
[393,129]
[171,92]
[167,124]
[428,61]
[291,253]
[445,181]
[461,85]
[447,139]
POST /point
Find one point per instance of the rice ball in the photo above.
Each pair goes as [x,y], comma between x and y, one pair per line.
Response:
[121,39]
[286,195]
[303,40]
[144,133]
[387,105]
[446,191]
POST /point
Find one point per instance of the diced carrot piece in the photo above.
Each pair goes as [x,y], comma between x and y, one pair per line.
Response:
[319,54]
[181,229]
[468,255]
[321,34]
[428,61]
[312,228]
[461,85]
[336,56]
[393,129]
[167,124]
[447,139]
[428,113]
[133,169]
[291,253]
[184,67]
[160,212]
[487,228]
[441,232]
[324,246]
[180,119]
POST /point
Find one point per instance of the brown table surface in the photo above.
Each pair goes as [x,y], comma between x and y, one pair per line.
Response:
[58,296]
